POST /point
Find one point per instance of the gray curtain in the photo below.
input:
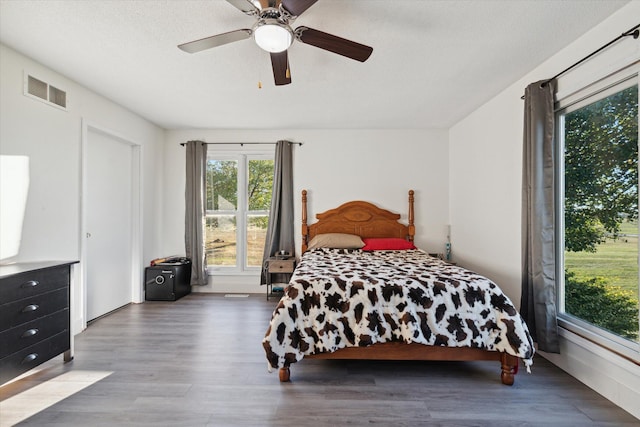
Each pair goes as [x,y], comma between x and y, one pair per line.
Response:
[538,303]
[280,230]
[195,197]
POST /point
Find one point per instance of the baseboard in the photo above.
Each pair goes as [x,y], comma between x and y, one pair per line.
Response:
[243,284]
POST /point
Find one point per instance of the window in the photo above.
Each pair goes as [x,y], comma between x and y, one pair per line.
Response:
[598,221]
[238,201]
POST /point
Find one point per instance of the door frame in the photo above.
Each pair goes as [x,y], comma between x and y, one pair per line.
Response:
[135,274]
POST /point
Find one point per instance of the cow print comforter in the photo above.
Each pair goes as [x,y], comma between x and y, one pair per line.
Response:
[343,298]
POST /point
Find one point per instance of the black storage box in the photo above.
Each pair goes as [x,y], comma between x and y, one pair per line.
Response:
[168,281]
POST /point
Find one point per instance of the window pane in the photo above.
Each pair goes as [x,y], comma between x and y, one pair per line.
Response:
[238,202]
[222,185]
[260,184]
[221,240]
[256,236]
[601,213]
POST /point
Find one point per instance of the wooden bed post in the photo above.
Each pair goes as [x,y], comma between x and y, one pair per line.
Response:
[509,368]
[284,374]
[305,228]
[412,228]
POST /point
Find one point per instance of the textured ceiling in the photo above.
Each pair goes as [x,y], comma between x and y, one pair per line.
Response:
[433,61]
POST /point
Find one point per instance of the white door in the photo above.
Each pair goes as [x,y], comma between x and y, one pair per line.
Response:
[108,223]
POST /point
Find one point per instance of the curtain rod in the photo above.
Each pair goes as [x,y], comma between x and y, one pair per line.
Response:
[634,32]
[243,143]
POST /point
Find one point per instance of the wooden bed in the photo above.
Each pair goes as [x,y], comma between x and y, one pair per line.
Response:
[367,220]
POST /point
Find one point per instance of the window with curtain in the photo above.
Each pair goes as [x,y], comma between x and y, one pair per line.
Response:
[598,224]
[238,199]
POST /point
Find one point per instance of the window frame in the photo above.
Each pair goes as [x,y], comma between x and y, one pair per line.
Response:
[594,92]
[242,157]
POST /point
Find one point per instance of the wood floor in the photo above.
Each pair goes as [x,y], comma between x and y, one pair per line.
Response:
[199,362]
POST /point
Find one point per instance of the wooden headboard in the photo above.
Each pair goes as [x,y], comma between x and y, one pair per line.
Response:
[361,218]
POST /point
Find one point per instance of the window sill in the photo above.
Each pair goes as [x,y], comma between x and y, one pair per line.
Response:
[255,273]
[601,343]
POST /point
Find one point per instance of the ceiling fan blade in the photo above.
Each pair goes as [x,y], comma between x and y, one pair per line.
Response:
[281,71]
[334,44]
[214,41]
[297,7]
[247,7]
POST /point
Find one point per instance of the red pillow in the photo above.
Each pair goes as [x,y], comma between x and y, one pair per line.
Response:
[386,244]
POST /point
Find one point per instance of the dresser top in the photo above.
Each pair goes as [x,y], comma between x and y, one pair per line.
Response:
[23,267]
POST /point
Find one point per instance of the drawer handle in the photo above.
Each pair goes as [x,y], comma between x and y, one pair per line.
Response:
[30,307]
[30,284]
[29,333]
[30,358]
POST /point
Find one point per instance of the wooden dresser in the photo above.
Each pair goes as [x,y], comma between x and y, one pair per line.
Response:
[34,315]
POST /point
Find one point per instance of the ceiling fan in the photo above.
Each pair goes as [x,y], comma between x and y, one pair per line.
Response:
[272,32]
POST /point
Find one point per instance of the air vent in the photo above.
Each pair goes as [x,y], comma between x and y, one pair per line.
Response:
[45,92]
[58,96]
[37,88]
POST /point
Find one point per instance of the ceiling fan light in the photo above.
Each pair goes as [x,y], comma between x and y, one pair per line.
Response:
[273,38]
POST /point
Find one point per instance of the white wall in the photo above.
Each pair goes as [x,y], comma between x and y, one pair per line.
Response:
[485,178]
[51,138]
[334,166]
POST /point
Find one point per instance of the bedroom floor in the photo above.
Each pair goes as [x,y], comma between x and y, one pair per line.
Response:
[199,362]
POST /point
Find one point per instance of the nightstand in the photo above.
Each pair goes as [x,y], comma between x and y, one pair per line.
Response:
[278,265]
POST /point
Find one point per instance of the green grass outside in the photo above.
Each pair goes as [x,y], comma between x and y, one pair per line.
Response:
[221,246]
[615,259]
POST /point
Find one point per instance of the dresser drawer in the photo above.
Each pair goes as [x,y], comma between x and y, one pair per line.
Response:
[30,357]
[28,309]
[281,266]
[30,333]
[35,282]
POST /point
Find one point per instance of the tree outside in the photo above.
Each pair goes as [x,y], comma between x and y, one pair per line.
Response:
[222,185]
[601,169]
[601,212]
[259,189]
